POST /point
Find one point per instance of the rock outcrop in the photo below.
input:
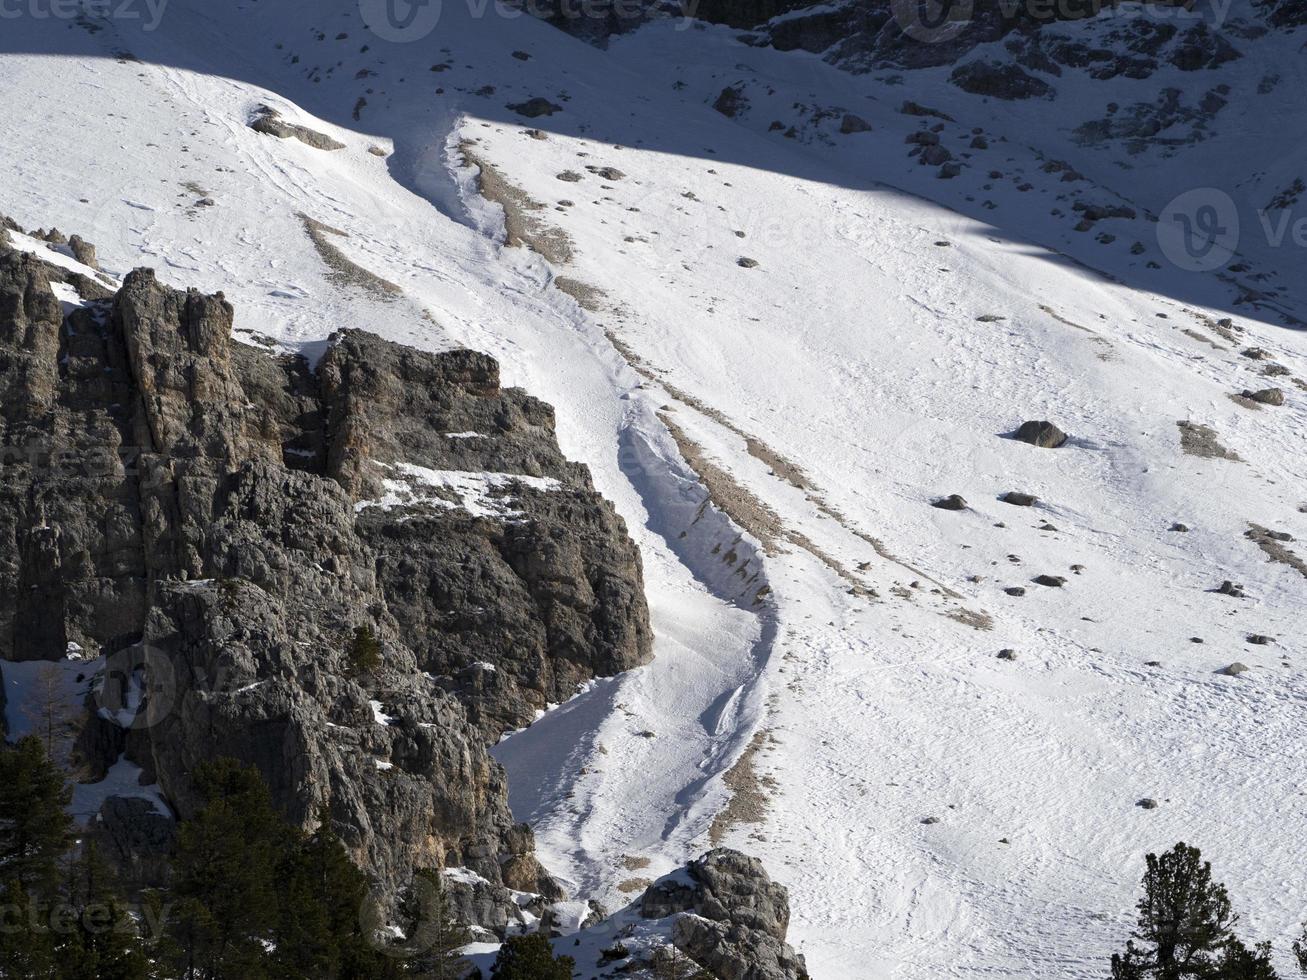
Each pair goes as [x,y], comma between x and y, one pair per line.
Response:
[353,576]
[730,917]
[1043,434]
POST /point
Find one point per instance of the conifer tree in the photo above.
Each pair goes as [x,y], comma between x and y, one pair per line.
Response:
[102,941]
[435,936]
[225,876]
[26,944]
[531,958]
[34,825]
[321,932]
[1185,927]
[1241,963]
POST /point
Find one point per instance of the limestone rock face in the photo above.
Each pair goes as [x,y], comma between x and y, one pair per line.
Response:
[219,524]
[730,917]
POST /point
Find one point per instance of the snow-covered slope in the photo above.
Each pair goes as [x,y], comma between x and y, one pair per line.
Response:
[774,430]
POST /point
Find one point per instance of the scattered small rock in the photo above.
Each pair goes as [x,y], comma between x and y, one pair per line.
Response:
[1018,499]
[268,121]
[730,102]
[1177,526]
[953,501]
[83,251]
[1232,589]
[1260,640]
[1007,655]
[744,262]
[930,820]
[1043,434]
[536,107]
[1147,803]
[1015,590]
[1234,670]
[569,176]
[854,124]
[1265,396]
[1051,581]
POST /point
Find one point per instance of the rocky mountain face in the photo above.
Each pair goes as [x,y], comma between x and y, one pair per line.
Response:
[354,575]
[729,916]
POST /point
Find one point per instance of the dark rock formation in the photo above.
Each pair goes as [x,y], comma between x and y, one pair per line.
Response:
[1265,396]
[730,917]
[731,102]
[223,525]
[1019,499]
[1232,589]
[852,123]
[953,501]
[1045,434]
[268,121]
[536,107]
[998,80]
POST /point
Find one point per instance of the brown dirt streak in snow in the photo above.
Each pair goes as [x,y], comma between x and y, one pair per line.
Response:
[1201,441]
[748,802]
[521,225]
[1275,550]
[344,270]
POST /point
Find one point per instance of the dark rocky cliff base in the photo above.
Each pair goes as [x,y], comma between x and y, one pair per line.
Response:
[354,576]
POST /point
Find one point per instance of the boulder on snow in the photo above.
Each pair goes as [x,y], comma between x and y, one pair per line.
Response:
[854,124]
[1234,670]
[1001,80]
[935,155]
[731,101]
[1050,581]
[731,918]
[1043,434]
[534,108]
[83,251]
[1019,499]
[953,501]
[268,121]
[1266,396]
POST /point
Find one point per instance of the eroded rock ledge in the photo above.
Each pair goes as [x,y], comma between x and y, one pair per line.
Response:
[230,530]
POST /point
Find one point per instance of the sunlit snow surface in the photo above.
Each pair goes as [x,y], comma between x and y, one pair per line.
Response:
[892,332]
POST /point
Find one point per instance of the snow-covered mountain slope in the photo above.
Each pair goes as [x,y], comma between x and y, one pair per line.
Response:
[775,347]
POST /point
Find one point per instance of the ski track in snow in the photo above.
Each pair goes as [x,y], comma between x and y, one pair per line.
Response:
[853,349]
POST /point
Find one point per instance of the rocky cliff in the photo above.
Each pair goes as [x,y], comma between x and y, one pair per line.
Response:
[354,575]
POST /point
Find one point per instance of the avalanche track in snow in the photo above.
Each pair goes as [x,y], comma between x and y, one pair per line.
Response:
[774,353]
